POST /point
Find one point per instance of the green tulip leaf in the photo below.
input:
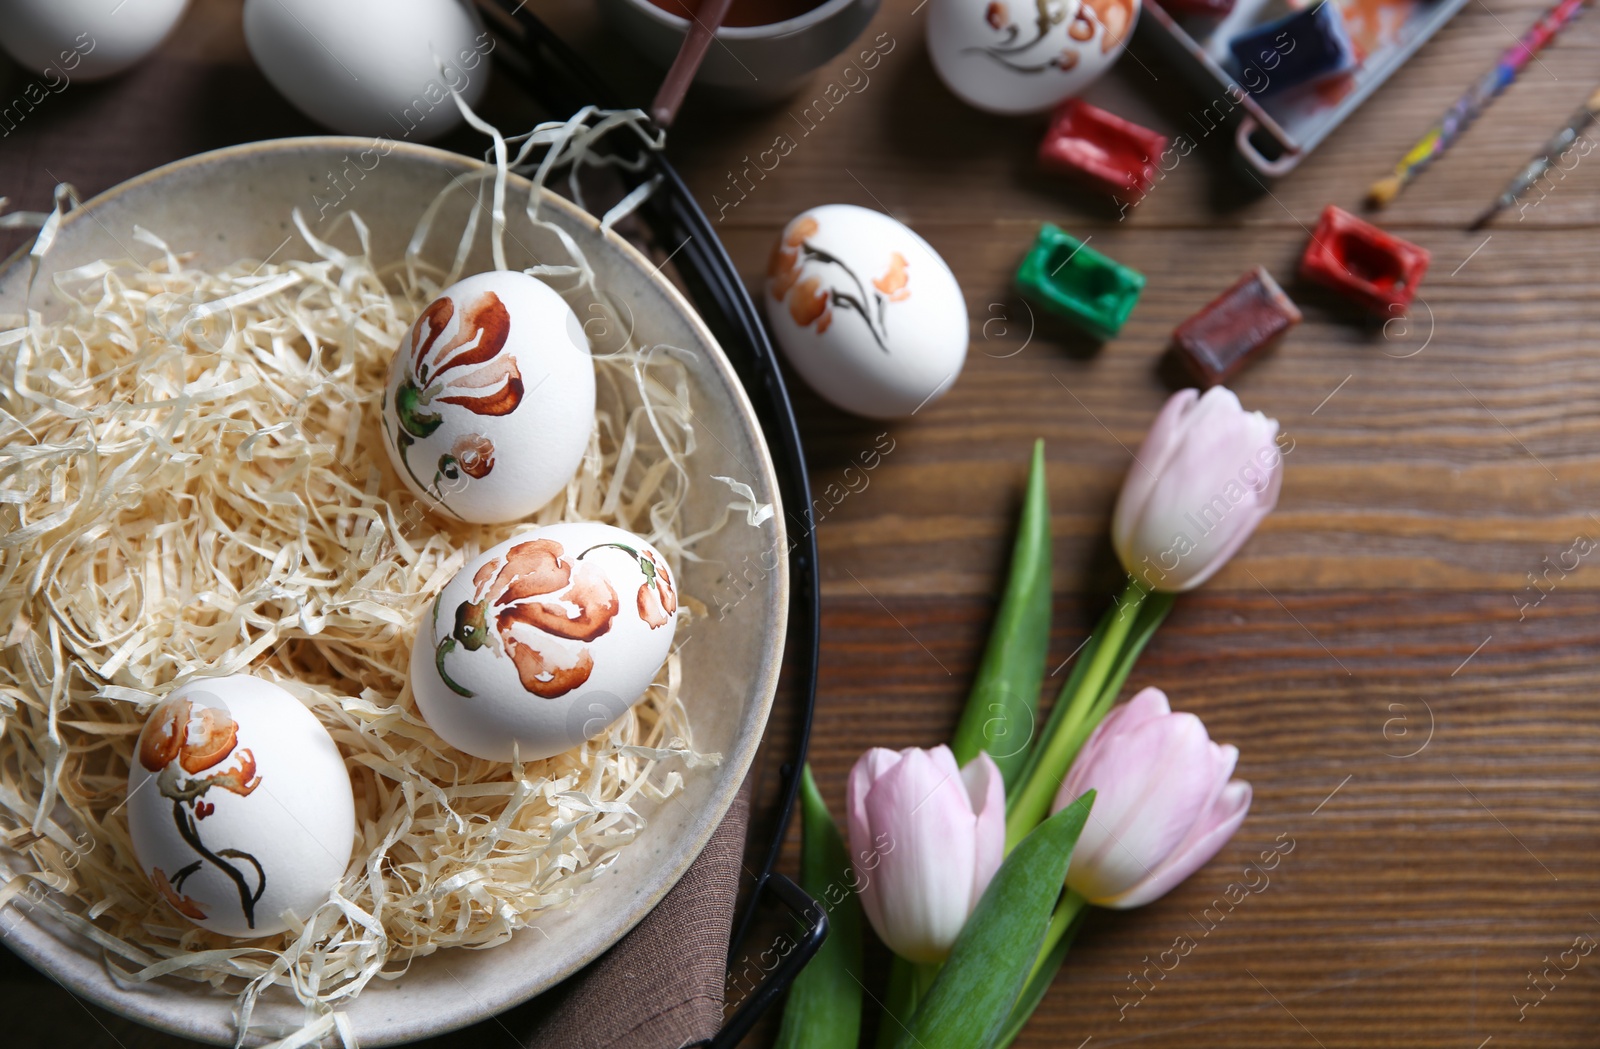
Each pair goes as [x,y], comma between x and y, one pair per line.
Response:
[969,1004]
[823,1010]
[1004,702]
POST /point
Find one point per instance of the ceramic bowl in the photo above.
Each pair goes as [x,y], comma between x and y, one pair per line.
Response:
[236,203]
[754,63]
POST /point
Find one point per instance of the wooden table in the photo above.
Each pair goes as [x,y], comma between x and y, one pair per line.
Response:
[1425,739]
[1429,747]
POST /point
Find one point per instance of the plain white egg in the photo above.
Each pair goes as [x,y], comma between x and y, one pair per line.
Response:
[372,67]
[66,40]
[543,641]
[865,310]
[490,401]
[239,805]
[1007,56]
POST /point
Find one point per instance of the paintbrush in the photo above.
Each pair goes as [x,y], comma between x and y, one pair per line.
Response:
[704,21]
[1442,135]
[1548,154]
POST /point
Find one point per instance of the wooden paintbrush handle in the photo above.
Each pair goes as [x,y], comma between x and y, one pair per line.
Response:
[704,21]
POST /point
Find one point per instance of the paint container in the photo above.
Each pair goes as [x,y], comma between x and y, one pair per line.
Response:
[1273,133]
[1235,327]
[1297,50]
[1102,150]
[1064,276]
[1373,269]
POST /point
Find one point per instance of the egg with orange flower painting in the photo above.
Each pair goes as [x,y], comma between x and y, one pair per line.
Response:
[239,806]
[865,310]
[541,642]
[1024,56]
[490,401]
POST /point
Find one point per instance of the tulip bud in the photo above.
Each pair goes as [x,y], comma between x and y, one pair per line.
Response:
[925,839]
[1207,474]
[1164,804]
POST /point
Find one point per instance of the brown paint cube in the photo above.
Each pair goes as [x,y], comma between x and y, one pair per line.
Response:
[1235,326]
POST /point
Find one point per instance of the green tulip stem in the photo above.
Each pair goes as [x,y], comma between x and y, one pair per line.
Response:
[1061,746]
[1071,903]
[900,1002]
[908,985]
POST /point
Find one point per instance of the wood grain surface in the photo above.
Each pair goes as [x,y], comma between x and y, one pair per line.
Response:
[1427,743]
[1425,739]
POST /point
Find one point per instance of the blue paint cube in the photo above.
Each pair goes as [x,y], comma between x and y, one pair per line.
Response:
[1303,48]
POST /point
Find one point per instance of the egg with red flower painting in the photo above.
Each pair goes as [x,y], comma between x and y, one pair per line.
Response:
[490,399]
[239,806]
[543,641]
[865,310]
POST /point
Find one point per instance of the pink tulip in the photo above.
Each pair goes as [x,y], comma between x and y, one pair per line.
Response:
[925,839]
[1163,805]
[1207,474]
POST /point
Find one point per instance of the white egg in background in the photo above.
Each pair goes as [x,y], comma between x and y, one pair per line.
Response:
[544,640]
[66,40]
[865,310]
[490,401]
[372,67]
[1008,56]
[239,805]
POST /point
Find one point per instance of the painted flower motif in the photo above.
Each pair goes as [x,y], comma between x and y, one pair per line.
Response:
[1117,18]
[543,609]
[784,265]
[658,597]
[180,903]
[197,740]
[796,271]
[467,371]
[808,304]
[472,454]
[1113,17]
[179,743]
[893,282]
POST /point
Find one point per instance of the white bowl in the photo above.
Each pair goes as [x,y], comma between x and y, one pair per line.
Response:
[236,203]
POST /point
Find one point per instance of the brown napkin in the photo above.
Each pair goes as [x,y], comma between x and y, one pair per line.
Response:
[661,987]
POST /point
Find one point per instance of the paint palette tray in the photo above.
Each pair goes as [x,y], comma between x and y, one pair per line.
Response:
[1273,130]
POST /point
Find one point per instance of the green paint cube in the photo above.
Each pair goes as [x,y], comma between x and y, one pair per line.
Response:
[1066,277]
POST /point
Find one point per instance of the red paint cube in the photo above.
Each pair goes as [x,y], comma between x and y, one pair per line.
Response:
[1102,149]
[1235,326]
[1376,270]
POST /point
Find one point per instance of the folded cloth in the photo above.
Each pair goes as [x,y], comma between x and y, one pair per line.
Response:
[661,986]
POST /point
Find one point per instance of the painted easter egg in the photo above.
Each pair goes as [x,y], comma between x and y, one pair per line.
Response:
[865,310]
[1005,56]
[544,640]
[490,401]
[239,806]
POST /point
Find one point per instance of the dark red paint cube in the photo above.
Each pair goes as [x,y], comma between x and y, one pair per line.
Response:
[1102,149]
[1376,270]
[1235,326]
